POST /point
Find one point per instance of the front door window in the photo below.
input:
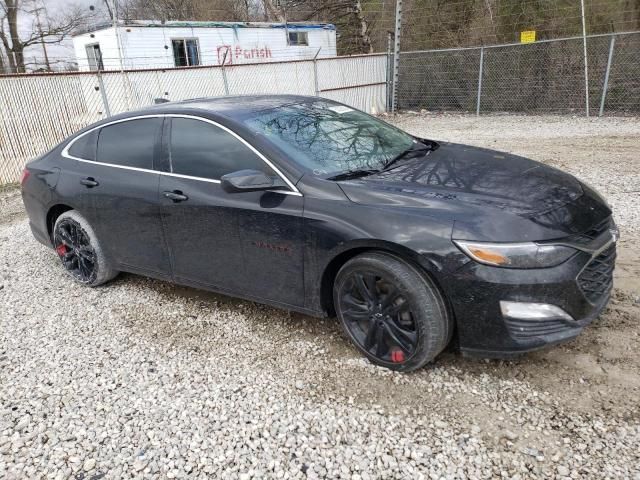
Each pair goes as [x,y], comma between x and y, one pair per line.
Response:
[200,149]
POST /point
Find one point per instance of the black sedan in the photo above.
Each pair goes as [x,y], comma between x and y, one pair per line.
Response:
[313,206]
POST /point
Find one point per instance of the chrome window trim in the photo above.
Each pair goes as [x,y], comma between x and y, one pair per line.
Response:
[65,152]
[189,177]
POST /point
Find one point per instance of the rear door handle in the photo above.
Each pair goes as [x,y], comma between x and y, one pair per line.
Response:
[89,182]
[176,196]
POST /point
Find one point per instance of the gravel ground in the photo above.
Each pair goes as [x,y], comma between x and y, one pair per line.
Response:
[142,379]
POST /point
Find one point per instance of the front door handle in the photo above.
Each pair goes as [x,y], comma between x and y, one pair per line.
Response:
[89,182]
[176,196]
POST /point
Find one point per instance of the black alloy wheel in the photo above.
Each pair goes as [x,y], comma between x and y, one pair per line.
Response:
[73,246]
[378,316]
[391,311]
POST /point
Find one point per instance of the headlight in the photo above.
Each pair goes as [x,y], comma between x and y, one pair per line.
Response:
[516,255]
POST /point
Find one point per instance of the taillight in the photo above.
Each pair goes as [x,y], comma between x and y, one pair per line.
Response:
[25,175]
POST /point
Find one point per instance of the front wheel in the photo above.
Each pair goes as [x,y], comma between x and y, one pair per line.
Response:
[392,312]
[79,250]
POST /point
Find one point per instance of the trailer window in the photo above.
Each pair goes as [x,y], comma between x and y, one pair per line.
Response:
[298,38]
[185,52]
[94,56]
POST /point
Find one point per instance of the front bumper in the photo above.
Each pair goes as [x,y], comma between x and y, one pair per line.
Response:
[532,337]
[581,287]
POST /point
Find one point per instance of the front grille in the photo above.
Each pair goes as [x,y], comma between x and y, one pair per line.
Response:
[597,277]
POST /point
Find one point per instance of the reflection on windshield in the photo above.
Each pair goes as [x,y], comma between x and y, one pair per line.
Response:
[329,138]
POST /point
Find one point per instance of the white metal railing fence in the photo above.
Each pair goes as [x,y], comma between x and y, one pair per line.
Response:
[540,77]
[38,111]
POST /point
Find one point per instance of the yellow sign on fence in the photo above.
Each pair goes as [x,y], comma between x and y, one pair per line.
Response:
[528,36]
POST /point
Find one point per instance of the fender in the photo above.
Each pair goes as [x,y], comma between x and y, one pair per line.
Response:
[322,287]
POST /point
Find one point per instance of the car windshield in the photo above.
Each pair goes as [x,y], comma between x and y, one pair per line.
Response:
[329,138]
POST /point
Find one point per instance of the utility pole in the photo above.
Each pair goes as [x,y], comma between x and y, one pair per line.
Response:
[117,32]
[586,64]
[44,45]
[125,78]
[396,56]
[389,71]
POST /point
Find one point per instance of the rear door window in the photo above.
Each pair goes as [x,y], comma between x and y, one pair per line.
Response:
[200,149]
[131,143]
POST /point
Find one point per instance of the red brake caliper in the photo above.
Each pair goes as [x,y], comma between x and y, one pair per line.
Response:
[61,249]
[397,356]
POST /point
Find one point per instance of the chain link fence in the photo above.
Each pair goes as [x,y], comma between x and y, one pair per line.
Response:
[547,76]
[542,77]
[39,111]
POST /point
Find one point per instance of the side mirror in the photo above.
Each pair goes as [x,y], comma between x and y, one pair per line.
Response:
[248,181]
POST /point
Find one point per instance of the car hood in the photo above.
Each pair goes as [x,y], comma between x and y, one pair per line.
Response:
[472,175]
[467,184]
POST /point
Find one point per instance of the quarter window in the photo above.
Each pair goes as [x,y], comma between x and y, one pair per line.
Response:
[200,149]
[85,146]
[299,38]
[185,52]
[130,143]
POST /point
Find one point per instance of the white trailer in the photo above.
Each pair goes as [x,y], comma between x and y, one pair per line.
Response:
[149,44]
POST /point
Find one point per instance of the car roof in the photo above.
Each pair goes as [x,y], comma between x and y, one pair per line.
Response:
[228,112]
[233,107]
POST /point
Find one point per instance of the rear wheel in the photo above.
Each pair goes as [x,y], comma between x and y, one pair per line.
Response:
[80,251]
[391,311]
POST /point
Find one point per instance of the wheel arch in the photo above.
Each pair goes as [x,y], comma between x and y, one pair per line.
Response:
[421,263]
[52,215]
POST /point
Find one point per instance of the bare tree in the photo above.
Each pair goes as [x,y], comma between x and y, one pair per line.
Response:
[190,10]
[364,26]
[349,16]
[272,12]
[47,31]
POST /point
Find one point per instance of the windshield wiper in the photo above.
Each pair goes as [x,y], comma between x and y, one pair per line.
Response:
[421,146]
[413,149]
[356,173]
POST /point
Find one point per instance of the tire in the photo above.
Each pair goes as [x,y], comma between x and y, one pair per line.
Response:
[79,250]
[377,292]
